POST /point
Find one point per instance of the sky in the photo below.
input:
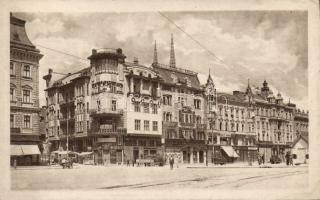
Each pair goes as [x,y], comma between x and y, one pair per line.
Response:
[255,45]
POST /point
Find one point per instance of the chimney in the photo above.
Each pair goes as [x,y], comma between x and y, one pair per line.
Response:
[48,77]
[135,60]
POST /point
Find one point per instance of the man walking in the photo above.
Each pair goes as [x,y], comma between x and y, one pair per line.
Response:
[171,162]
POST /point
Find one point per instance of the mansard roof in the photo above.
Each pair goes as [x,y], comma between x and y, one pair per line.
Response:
[18,35]
[166,73]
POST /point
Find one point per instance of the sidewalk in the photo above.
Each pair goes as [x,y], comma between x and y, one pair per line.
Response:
[244,165]
[37,167]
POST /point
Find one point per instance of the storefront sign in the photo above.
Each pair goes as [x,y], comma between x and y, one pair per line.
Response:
[107,140]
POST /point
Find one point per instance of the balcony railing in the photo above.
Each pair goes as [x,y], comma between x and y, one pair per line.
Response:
[15,130]
[201,126]
[106,111]
[119,130]
[170,124]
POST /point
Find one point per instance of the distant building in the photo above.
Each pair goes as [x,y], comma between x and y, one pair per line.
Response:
[125,112]
[24,95]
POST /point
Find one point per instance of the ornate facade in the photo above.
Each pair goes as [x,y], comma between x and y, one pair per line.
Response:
[127,111]
[24,95]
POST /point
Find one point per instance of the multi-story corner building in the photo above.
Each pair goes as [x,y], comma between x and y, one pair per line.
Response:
[127,111]
[273,121]
[112,108]
[182,112]
[24,95]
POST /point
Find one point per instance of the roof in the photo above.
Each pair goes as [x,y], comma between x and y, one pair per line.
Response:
[167,73]
[18,35]
[69,77]
[303,137]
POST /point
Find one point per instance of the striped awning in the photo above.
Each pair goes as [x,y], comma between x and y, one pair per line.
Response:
[16,150]
[230,151]
[21,150]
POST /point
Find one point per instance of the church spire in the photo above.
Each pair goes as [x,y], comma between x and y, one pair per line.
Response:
[249,91]
[155,53]
[172,56]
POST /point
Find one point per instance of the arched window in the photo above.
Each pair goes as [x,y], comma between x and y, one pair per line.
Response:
[226,127]
[220,126]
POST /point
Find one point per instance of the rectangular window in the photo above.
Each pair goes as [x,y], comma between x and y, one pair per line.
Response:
[11,121]
[154,109]
[26,96]
[146,108]
[136,107]
[11,94]
[58,130]
[136,124]
[146,125]
[26,71]
[26,121]
[11,68]
[114,105]
[155,126]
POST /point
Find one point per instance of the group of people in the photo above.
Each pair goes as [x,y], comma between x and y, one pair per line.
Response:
[261,159]
[289,158]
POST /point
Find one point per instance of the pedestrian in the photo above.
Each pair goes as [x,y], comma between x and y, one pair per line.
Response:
[263,159]
[291,159]
[171,162]
[287,158]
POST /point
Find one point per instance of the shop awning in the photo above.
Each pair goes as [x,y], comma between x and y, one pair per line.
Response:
[230,151]
[16,150]
[30,149]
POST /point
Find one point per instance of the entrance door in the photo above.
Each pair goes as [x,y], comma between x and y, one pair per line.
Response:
[201,157]
[135,155]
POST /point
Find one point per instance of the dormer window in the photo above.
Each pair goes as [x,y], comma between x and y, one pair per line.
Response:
[174,78]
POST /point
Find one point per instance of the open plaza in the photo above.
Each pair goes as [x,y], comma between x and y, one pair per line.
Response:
[233,176]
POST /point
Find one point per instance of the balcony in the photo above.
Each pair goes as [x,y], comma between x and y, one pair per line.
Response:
[169,124]
[64,120]
[186,125]
[201,126]
[15,130]
[111,131]
[106,112]
[182,142]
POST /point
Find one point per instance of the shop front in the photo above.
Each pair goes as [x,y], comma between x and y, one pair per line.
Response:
[21,155]
[107,151]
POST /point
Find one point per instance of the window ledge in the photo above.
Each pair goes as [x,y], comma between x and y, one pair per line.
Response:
[26,77]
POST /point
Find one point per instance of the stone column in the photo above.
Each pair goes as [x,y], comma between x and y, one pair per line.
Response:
[122,157]
[141,85]
[198,157]
[131,84]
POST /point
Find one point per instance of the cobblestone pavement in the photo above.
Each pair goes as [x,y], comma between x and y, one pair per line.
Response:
[144,178]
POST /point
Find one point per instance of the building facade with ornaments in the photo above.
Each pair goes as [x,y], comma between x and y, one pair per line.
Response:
[126,112]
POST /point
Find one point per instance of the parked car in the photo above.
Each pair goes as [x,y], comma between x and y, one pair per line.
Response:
[275,159]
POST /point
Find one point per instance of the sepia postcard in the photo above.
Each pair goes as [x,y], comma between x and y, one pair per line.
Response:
[160,100]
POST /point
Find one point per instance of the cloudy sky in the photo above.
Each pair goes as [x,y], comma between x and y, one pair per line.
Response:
[253,45]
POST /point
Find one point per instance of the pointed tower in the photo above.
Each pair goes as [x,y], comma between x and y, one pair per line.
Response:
[172,62]
[249,91]
[155,53]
